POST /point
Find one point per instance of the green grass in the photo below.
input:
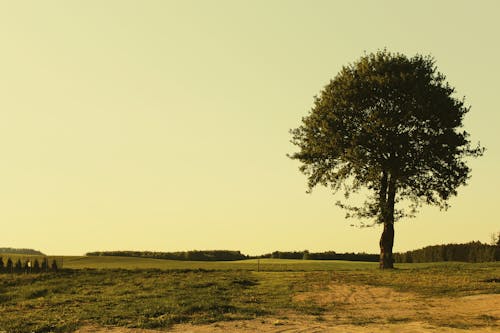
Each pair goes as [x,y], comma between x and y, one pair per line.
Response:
[62,301]
[151,293]
[432,279]
[252,264]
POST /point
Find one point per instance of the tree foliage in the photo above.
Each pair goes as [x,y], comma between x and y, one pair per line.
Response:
[390,124]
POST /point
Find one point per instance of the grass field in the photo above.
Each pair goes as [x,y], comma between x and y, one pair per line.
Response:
[153,293]
[252,264]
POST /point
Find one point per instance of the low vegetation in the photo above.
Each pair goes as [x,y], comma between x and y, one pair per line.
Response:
[159,298]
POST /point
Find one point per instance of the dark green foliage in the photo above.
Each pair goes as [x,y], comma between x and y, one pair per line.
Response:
[54,266]
[18,266]
[329,255]
[345,256]
[20,251]
[209,255]
[45,265]
[469,252]
[36,266]
[389,124]
[390,115]
[216,255]
[27,266]
[9,266]
[2,266]
[287,255]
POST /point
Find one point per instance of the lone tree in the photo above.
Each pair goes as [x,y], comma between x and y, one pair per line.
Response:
[389,124]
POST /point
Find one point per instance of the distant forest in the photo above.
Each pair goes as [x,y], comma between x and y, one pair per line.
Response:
[225,255]
[329,255]
[468,252]
[212,255]
[11,250]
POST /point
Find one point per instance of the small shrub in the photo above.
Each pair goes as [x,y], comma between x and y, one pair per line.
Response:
[27,266]
[18,267]
[36,266]
[9,266]
[54,265]
[45,264]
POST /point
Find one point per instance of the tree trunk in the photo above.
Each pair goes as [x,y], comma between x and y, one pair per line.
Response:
[386,243]
[387,210]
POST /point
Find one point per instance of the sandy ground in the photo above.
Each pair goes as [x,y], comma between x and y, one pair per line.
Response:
[295,327]
[373,309]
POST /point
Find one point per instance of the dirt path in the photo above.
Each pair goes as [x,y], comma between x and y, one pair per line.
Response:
[288,326]
[294,326]
[362,309]
[378,305]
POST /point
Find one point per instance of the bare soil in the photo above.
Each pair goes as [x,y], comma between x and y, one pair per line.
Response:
[361,308]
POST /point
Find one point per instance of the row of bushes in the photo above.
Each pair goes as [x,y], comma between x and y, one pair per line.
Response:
[212,255]
[468,252]
[28,266]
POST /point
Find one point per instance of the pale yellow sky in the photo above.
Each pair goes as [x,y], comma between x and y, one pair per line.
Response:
[163,125]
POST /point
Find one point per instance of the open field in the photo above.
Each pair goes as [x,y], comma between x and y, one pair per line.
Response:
[99,294]
[252,264]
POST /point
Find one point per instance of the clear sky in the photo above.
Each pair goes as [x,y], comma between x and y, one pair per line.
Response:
[163,125]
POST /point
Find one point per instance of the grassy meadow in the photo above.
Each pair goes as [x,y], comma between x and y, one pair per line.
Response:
[99,262]
[155,293]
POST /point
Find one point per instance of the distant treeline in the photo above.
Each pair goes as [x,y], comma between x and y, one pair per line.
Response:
[329,255]
[469,252]
[225,255]
[21,251]
[212,255]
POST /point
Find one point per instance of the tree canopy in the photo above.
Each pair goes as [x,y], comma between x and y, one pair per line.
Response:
[390,124]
